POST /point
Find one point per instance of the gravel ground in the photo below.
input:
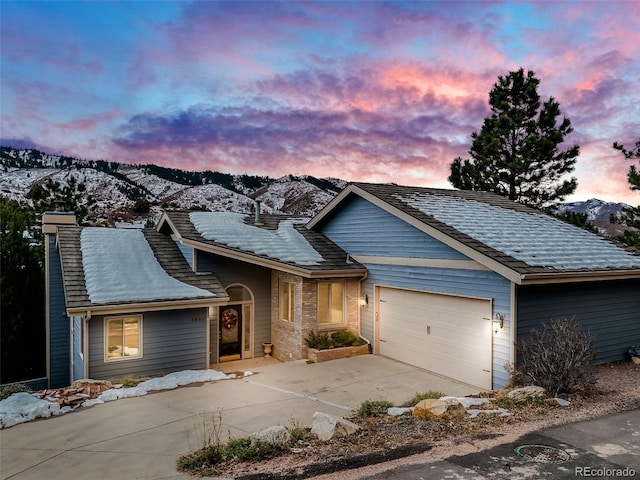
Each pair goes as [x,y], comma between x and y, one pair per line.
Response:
[618,389]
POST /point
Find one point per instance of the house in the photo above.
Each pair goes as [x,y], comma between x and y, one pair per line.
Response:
[284,280]
[456,278]
[122,302]
[444,280]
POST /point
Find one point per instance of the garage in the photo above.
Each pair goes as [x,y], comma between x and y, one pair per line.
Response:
[445,334]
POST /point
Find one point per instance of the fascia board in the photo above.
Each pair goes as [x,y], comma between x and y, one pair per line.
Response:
[145,307]
[571,277]
[164,218]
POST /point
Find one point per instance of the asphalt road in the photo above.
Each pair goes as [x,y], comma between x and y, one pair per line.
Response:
[604,448]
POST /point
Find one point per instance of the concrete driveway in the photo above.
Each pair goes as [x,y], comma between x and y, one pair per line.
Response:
[141,438]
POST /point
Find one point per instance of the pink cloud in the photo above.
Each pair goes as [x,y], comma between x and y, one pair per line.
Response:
[89,123]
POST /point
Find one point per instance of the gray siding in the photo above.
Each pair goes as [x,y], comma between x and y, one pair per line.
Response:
[362,228]
[173,340]
[59,323]
[255,278]
[610,311]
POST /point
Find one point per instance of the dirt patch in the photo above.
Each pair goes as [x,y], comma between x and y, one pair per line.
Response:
[384,442]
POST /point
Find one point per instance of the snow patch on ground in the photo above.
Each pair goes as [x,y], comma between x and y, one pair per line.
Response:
[23,407]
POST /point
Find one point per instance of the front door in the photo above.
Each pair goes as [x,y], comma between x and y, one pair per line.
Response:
[230,333]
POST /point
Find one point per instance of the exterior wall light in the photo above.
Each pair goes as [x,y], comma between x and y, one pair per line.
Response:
[498,322]
[364,299]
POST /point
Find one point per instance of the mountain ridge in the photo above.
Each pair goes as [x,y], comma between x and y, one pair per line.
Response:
[117,187]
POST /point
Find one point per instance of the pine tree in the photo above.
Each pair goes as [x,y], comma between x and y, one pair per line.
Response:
[22,296]
[517,152]
[631,216]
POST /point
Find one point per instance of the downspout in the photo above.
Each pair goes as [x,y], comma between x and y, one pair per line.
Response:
[85,344]
[47,309]
[366,275]
[72,362]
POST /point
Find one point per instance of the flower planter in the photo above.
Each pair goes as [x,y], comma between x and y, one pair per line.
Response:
[316,356]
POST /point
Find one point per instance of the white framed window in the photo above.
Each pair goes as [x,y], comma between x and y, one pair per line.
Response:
[122,338]
[330,303]
[287,296]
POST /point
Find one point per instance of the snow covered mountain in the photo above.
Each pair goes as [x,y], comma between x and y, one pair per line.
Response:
[599,213]
[117,187]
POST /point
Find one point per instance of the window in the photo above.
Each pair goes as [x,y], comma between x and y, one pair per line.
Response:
[123,338]
[330,303]
[287,290]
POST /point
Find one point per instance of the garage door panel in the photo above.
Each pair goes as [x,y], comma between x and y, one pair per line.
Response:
[446,334]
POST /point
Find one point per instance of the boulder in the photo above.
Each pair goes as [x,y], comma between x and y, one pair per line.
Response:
[433,409]
[521,395]
[327,426]
[276,435]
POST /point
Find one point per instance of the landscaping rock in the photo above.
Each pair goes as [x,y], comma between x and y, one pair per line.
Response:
[562,402]
[276,435]
[468,402]
[397,411]
[521,395]
[433,409]
[503,412]
[327,426]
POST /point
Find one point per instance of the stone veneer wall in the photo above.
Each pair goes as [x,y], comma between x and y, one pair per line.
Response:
[288,337]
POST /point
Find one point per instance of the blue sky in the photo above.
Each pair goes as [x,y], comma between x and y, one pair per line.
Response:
[366,91]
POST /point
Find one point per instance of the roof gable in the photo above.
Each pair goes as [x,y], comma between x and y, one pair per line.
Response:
[515,240]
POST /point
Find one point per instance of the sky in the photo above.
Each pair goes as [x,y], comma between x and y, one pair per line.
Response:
[361,90]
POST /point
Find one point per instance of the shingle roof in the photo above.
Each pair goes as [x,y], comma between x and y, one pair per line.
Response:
[280,240]
[521,238]
[165,253]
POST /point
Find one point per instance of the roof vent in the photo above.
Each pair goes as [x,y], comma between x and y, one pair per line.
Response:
[257,220]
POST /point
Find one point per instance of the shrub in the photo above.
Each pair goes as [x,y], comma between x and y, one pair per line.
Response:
[340,338]
[209,460]
[423,396]
[346,338]
[319,341]
[373,408]
[557,357]
[9,390]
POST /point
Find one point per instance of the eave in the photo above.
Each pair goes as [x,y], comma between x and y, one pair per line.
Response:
[120,308]
[572,277]
[268,263]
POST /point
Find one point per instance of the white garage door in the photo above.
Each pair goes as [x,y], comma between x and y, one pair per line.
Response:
[444,334]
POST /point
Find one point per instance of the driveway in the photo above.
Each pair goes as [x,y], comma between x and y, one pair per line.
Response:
[141,438]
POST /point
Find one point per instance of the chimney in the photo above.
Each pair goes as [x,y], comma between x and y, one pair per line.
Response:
[257,220]
[51,221]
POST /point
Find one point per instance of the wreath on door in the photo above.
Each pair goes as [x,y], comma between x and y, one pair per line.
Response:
[229,318]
